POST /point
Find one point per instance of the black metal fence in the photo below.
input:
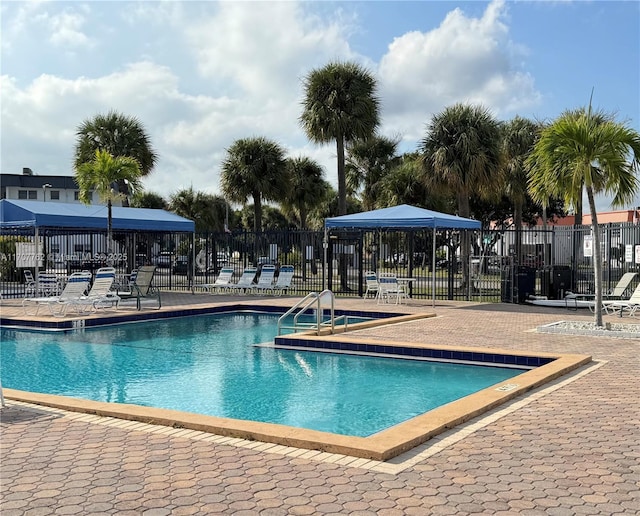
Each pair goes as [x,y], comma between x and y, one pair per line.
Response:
[551,262]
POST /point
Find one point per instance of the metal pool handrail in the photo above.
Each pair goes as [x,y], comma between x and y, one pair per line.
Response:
[303,305]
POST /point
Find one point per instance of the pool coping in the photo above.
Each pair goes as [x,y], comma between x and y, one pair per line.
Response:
[381,446]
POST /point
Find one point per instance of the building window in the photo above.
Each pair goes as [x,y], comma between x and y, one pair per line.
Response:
[28,194]
[55,195]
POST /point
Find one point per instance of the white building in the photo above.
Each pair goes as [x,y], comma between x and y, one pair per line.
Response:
[30,187]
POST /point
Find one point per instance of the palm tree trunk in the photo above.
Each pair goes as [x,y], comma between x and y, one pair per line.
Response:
[465,246]
[517,220]
[109,227]
[342,181]
[597,257]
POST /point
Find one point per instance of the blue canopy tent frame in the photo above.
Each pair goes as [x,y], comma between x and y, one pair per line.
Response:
[402,217]
[37,216]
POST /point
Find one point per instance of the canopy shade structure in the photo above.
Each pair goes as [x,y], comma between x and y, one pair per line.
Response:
[24,214]
[401,217]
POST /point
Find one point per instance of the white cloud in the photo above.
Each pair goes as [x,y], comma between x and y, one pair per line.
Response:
[66,29]
[463,60]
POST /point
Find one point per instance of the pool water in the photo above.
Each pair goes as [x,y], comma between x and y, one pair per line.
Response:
[211,365]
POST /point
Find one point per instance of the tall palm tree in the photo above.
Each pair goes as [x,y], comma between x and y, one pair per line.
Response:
[368,161]
[590,149]
[101,174]
[119,135]
[340,105]
[256,168]
[308,188]
[461,152]
[519,137]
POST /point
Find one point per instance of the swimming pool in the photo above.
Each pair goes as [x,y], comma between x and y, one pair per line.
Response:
[211,365]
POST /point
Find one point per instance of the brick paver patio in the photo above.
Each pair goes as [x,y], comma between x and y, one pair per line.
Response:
[569,448]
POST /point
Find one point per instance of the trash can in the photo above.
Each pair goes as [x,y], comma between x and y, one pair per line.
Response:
[525,280]
[518,282]
[561,281]
[506,283]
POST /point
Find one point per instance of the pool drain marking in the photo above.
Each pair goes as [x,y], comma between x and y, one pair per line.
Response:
[508,387]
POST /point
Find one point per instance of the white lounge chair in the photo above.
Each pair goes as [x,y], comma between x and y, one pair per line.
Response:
[245,283]
[100,294]
[265,281]
[621,306]
[76,287]
[285,277]
[371,282]
[220,284]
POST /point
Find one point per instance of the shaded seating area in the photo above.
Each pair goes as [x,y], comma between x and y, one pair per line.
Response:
[142,287]
[390,289]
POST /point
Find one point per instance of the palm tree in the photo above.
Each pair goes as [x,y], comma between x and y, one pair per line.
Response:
[368,161]
[206,210]
[340,105]
[101,174]
[461,152]
[586,149]
[256,168]
[119,135]
[519,137]
[308,188]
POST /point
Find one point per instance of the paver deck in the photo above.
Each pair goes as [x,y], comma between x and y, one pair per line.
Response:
[570,447]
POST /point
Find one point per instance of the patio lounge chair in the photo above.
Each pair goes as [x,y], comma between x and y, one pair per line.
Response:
[222,281]
[265,281]
[621,306]
[371,281]
[76,286]
[245,283]
[100,294]
[614,294]
[285,277]
[142,287]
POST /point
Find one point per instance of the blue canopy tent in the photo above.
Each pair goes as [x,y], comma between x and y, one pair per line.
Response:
[402,217]
[36,214]
[40,217]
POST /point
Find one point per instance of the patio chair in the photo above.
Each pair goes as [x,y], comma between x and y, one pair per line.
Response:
[389,288]
[220,284]
[616,293]
[100,295]
[142,287]
[29,284]
[76,287]
[620,306]
[265,281]
[285,277]
[245,283]
[371,281]
[48,284]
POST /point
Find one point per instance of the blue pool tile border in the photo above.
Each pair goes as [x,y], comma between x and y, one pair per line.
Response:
[152,315]
[415,352]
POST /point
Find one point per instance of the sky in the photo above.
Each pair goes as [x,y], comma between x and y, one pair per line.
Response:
[201,74]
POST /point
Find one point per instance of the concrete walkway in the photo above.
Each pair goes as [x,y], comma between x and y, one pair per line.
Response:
[570,447]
